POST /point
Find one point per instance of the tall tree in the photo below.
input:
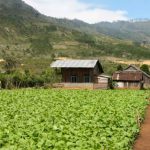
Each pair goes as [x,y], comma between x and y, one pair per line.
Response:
[10,64]
[145,68]
[119,68]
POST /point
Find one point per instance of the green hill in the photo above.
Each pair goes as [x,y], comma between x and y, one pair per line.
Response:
[138,31]
[25,33]
[135,30]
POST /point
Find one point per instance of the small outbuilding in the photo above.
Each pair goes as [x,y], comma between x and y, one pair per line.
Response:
[132,78]
[81,74]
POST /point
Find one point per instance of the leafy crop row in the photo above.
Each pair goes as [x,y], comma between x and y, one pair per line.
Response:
[70,120]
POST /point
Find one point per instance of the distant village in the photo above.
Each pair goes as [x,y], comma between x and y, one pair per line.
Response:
[76,74]
[89,74]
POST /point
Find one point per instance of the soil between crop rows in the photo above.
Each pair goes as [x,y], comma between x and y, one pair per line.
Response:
[143,140]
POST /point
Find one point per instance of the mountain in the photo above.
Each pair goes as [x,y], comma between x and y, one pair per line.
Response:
[25,33]
[134,30]
[138,31]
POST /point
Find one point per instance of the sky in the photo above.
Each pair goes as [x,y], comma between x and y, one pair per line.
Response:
[93,11]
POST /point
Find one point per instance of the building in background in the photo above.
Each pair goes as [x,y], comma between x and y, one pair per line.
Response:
[132,78]
[81,74]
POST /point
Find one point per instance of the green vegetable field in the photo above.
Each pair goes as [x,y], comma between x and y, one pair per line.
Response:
[70,119]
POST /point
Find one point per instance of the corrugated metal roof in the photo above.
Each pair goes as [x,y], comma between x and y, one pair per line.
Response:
[127,76]
[137,69]
[104,75]
[74,64]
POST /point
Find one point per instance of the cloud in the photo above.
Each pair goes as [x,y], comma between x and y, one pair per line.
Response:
[74,9]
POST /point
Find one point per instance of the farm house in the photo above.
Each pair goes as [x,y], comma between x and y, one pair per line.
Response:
[81,74]
[131,77]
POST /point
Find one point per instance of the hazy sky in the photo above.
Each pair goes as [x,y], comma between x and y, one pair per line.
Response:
[93,11]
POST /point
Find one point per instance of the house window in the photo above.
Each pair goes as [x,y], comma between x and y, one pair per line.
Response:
[73,78]
[87,78]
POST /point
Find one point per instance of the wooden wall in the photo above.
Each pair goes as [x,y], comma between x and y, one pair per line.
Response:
[146,81]
[128,85]
[79,72]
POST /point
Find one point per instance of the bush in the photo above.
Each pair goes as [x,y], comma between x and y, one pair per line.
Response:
[26,79]
[145,68]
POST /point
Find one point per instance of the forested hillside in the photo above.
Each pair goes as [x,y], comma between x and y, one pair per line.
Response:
[134,30]
[24,32]
[138,31]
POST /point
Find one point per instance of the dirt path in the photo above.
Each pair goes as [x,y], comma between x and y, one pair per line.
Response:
[143,141]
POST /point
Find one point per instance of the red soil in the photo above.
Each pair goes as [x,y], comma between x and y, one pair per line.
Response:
[143,140]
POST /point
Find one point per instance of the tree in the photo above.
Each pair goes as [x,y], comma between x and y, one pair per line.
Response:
[119,68]
[145,68]
[50,76]
[10,64]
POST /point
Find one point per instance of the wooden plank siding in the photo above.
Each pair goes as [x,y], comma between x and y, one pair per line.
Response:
[132,78]
[146,81]
[128,85]
[79,72]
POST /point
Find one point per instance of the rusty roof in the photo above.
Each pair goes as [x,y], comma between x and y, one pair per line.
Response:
[137,69]
[127,76]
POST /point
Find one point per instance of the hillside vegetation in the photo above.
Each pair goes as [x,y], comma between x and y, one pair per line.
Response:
[138,31]
[134,30]
[24,33]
